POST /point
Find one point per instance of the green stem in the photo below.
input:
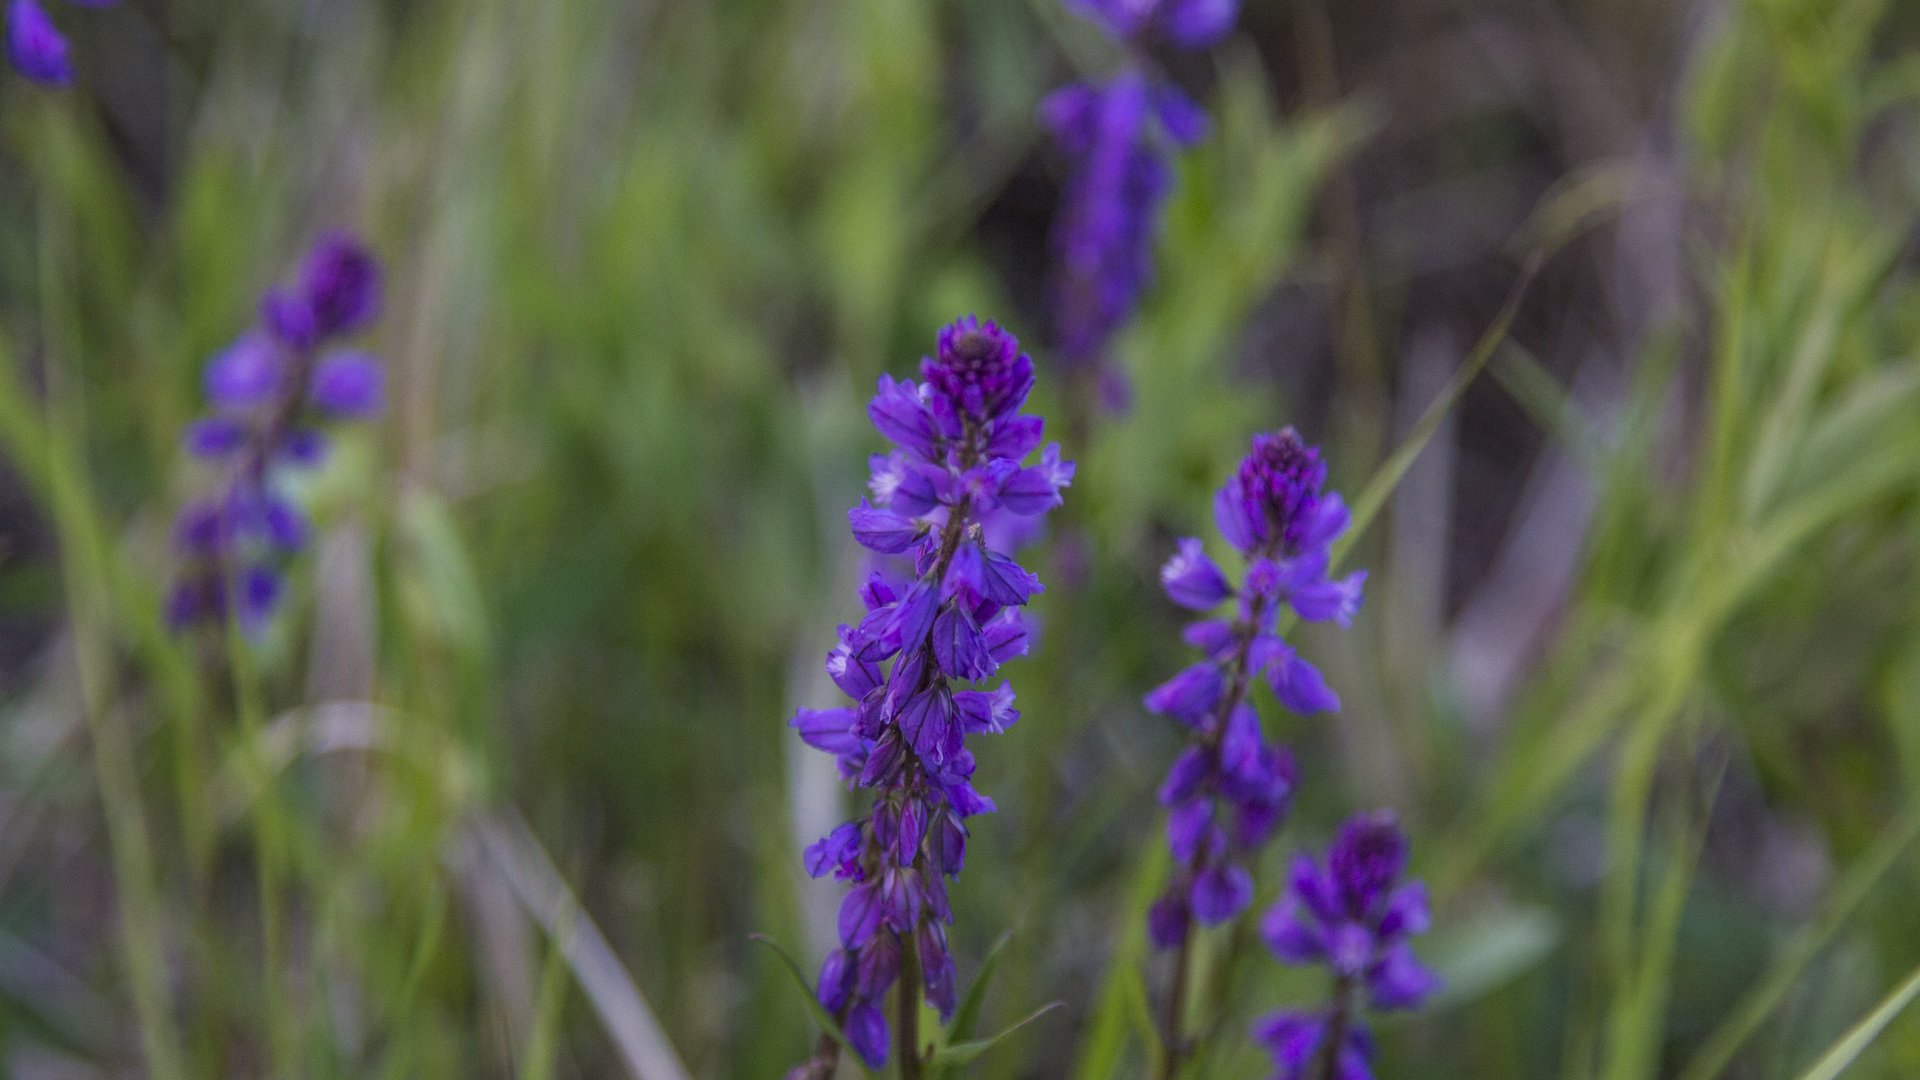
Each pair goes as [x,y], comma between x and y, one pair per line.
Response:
[907,1041]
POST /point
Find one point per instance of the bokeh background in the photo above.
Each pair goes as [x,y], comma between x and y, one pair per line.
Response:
[1639,666]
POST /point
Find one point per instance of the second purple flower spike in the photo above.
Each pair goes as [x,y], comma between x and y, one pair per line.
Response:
[1228,791]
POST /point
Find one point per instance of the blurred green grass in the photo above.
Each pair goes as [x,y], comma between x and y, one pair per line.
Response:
[646,261]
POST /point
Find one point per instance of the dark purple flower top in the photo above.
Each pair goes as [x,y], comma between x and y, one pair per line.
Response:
[1353,916]
[269,392]
[1228,792]
[962,446]
[35,46]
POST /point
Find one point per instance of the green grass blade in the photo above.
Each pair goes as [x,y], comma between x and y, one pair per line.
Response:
[1855,1041]
[819,1011]
[1380,488]
[961,1053]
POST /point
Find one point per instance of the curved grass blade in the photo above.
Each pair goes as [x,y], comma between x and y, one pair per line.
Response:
[958,1054]
[1718,1051]
[969,1012]
[1855,1041]
[820,1014]
[1375,494]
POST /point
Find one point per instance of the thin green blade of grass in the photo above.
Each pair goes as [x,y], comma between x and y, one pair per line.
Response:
[958,1054]
[1759,1003]
[1374,496]
[1855,1042]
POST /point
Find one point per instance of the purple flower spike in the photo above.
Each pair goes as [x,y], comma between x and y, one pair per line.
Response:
[950,617]
[1119,138]
[1228,793]
[35,46]
[268,391]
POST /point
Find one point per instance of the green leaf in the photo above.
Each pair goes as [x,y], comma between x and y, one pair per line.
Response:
[957,1054]
[1481,956]
[820,1015]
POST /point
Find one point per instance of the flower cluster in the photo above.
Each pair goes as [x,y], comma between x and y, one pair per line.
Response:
[1227,792]
[1117,137]
[268,391]
[961,442]
[1354,917]
[35,46]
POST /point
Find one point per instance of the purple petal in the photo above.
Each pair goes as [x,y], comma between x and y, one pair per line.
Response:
[341,280]
[1197,24]
[1292,934]
[1192,580]
[349,385]
[1300,687]
[899,413]
[860,915]
[1184,119]
[1399,981]
[214,437]
[35,45]
[304,448]
[246,374]
[1189,771]
[830,730]
[1169,919]
[866,1028]
[1189,696]
[882,530]
[959,649]
[1220,893]
[833,983]
[1325,600]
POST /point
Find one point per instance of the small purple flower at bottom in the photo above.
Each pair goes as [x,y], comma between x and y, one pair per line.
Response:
[1353,916]
[1298,1043]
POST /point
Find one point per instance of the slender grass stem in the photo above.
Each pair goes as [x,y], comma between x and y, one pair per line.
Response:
[907,1043]
[115,771]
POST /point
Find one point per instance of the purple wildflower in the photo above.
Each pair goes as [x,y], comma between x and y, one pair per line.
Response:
[35,46]
[1353,916]
[268,390]
[951,620]
[1227,793]
[1118,137]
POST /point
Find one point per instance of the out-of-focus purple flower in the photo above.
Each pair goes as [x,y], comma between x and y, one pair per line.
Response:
[1353,916]
[1186,24]
[1102,241]
[951,620]
[35,46]
[1298,1041]
[266,391]
[1118,138]
[1229,791]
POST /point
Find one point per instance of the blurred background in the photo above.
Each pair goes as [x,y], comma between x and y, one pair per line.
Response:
[1639,666]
